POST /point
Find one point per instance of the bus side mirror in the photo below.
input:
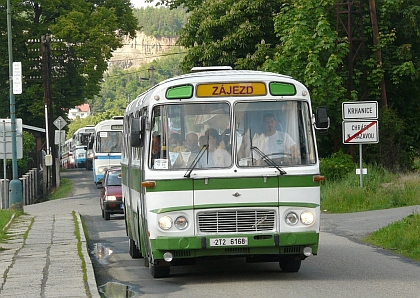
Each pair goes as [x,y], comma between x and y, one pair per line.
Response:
[90,144]
[322,121]
[137,131]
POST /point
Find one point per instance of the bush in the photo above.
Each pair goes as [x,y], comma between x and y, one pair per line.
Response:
[337,166]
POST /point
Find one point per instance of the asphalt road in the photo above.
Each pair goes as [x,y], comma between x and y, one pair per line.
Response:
[344,266]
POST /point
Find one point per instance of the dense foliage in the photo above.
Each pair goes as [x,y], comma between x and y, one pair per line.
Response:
[161,22]
[302,38]
[83,36]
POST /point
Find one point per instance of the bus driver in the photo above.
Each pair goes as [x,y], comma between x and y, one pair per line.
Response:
[273,143]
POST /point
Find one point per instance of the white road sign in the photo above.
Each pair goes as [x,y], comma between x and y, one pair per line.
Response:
[60,122]
[360,132]
[360,110]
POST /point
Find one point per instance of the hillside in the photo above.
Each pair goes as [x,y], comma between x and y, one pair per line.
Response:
[140,50]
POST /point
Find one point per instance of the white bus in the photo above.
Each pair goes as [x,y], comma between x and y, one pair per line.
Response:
[251,189]
[67,160]
[106,146]
[81,138]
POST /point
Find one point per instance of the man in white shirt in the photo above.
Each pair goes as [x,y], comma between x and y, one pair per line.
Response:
[274,143]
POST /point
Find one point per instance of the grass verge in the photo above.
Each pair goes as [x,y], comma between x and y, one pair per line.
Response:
[401,237]
[381,190]
[5,217]
[79,251]
[65,190]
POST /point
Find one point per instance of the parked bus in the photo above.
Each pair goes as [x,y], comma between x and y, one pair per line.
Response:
[67,160]
[252,187]
[81,140]
[106,146]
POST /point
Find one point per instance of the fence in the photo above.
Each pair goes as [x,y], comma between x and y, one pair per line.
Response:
[31,182]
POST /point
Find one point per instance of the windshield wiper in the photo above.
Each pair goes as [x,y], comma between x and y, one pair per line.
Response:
[195,161]
[268,160]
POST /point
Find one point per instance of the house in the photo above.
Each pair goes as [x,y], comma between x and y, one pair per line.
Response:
[81,111]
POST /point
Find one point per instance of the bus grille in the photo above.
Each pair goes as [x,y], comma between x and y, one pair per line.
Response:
[236,221]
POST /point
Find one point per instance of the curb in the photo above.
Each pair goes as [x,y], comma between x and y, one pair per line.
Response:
[9,223]
[91,281]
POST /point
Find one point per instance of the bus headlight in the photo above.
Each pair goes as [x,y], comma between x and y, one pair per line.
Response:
[307,218]
[291,218]
[181,222]
[165,222]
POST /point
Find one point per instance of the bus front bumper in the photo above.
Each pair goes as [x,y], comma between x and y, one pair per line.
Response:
[257,244]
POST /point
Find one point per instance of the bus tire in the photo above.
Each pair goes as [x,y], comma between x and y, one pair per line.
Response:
[290,264]
[107,216]
[159,271]
[133,250]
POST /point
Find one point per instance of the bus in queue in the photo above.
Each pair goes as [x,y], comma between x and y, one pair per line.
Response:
[222,163]
[67,160]
[81,139]
[106,147]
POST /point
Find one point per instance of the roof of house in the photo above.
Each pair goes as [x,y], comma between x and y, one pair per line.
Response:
[84,107]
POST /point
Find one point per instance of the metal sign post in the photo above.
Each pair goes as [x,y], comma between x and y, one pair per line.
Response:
[360,126]
[59,123]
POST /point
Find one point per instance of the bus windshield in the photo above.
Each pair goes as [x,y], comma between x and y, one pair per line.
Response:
[109,142]
[272,131]
[179,131]
[265,132]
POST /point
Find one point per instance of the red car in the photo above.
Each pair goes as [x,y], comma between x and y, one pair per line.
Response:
[111,193]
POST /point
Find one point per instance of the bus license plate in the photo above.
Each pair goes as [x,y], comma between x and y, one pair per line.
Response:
[228,241]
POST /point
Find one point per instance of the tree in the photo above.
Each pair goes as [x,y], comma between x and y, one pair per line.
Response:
[238,33]
[84,34]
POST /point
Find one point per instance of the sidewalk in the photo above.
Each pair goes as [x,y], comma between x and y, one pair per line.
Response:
[46,263]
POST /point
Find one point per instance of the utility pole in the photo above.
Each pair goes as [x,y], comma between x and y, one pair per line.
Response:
[46,73]
[152,75]
[375,30]
[15,186]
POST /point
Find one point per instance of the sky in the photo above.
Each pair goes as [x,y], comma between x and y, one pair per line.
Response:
[140,3]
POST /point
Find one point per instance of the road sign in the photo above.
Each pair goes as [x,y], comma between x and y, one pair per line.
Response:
[17,77]
[360,132]
[358,110]
[60,122]
[59,137]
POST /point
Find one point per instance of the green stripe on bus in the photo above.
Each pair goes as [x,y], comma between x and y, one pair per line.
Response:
[239,205]
[233,183]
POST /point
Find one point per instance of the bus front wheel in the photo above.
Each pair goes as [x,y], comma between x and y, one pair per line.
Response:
[290,264]
[159,271]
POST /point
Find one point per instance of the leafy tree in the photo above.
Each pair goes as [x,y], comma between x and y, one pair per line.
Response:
[310,50]
[84,34]
[239,33]
[161,21]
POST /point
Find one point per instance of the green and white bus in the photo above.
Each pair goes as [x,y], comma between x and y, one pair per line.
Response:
[222,163]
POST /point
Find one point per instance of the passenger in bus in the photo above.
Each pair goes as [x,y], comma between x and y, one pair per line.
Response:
[191,149]
[175,143]
[156,145]
[113,144]
[274,143]
[214,156]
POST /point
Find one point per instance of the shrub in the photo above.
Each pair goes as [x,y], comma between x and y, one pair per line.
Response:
[337,166]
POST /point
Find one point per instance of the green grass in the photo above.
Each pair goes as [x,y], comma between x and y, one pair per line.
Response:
[5,216]
[401,237]
[65,189]
[381,190]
